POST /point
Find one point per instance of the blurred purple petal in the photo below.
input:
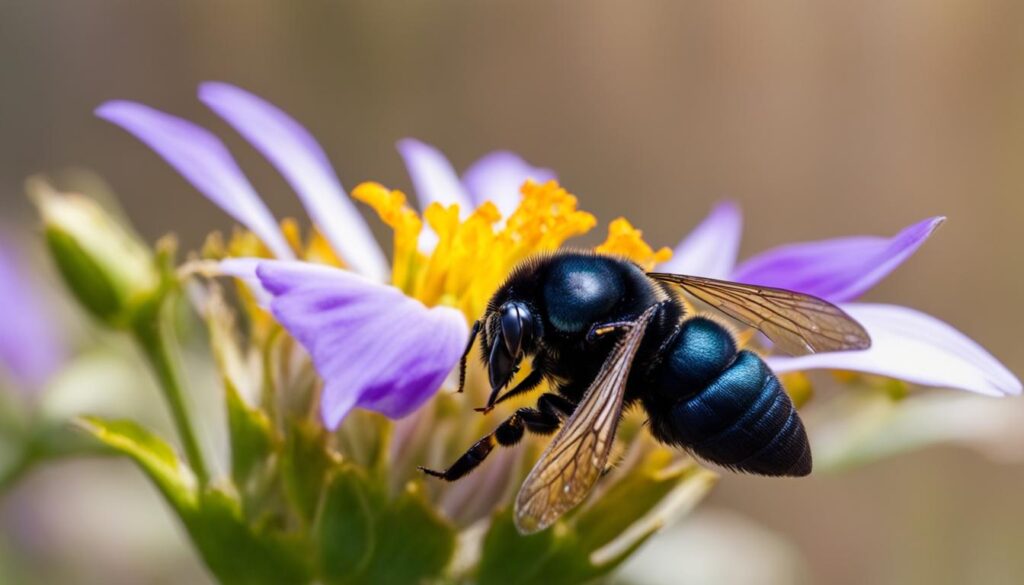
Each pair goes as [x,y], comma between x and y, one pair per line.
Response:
[837,270]
[202,159]
[298,156]
[497,177]
[710,250]
[374,347]
[912,346]
[31,347]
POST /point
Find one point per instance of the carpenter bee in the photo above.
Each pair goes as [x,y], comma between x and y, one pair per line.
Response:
[606,335]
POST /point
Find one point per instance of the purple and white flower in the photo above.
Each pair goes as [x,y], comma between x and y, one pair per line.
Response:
[378,349]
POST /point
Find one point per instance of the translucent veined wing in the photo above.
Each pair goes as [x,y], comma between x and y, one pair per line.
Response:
[799,324]
[577,455]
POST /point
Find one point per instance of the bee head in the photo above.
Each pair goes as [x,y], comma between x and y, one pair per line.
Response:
[512,339]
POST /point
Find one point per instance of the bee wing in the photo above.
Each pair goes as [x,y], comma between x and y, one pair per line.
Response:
[577,456]
[799,324]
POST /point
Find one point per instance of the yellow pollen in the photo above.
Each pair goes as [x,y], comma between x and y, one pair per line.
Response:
[393,211]
[627,241]
[474,255]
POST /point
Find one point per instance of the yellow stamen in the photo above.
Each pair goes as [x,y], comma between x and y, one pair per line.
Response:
[627,241]
[292,234]
[319,250]
[393,211]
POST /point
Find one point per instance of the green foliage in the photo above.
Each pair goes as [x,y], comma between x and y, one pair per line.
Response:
[234,551]
[366,537]
[305,465]
[345,531]
[252,436]
[592,542]
[152,454]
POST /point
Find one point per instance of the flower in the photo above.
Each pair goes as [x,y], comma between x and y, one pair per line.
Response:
[423,260]
[479,227]
[906,344]
[31,349]
[385,338]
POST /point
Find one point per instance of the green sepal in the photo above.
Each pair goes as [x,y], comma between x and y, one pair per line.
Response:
[251,434]
[415,544]
[509,558]
[365,536]
[238,553]
[344,532]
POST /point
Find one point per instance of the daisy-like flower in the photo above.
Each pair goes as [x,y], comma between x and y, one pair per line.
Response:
[389,349]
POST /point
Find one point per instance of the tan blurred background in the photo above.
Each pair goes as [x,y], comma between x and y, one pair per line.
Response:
[821,119]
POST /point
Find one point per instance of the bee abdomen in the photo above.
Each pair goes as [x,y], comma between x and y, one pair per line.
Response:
[744,420]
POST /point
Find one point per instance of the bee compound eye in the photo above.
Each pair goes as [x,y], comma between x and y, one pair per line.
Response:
[514,320]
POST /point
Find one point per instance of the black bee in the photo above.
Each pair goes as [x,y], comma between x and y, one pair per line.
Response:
[699,392]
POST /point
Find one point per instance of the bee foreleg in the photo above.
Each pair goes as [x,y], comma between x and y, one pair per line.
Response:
[465,354]
[544,421]
[531,381]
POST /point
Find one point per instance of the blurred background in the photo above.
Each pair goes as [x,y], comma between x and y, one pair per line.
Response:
[820,119]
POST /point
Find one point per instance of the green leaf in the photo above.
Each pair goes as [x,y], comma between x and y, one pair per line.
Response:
[414,544]
[344,530]
[233,550]
[156,458]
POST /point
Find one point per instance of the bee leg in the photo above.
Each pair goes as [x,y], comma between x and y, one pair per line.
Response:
[543,420]
[599,330]
[465,354]
[531,381]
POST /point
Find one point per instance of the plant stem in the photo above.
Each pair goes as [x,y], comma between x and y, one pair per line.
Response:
[153,332]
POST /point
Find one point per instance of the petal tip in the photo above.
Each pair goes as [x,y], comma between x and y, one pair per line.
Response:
[113,110]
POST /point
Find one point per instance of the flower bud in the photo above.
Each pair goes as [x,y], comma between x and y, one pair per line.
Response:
[106,267]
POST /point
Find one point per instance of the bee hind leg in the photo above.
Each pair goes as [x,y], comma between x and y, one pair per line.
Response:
[543,420]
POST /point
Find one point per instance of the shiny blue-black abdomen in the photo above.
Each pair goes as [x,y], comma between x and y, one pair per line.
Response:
[726,407]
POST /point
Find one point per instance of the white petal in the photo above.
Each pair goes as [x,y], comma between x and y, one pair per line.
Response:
[915,347]
[710,250]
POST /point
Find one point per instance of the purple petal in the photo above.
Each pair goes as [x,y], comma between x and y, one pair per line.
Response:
[912,346]
[31,347]
[432,176]
[837,270]
[497,177]
[302,161]
[374,347]
[204,160]
[710,249]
